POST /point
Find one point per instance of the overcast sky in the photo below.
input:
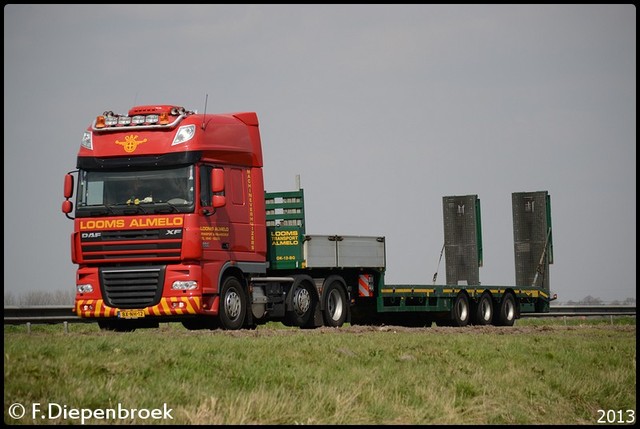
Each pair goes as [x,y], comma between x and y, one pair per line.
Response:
[381,109]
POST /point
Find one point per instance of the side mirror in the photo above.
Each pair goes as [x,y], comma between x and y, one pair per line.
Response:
[68,186]
[217,180]
[217,188]
[67,207]
[219,201]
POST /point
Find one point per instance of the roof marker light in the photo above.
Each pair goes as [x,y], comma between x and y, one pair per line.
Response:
[137,120]
[100,122]
[110,120]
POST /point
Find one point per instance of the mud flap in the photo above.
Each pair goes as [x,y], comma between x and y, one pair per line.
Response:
[316,321]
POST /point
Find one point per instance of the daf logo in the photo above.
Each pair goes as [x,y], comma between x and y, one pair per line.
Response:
[91,234]
[173,231]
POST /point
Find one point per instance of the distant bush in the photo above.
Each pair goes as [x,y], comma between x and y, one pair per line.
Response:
[58,297]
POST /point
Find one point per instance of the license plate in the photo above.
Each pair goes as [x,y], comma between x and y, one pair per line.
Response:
[130,314]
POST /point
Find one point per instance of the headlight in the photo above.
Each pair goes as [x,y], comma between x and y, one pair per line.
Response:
[184,134]
[184,285]
[86,288]
[86,140]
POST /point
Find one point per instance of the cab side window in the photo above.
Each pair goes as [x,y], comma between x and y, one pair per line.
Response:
[205,185]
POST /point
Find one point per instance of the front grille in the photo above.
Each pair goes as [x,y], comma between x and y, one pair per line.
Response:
[133,287]
[114,246]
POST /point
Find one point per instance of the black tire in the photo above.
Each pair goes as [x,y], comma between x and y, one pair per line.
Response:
[233,304]
[483,312]
[364,313]
[105,325]
[460,312]
[335,305]
[116,326]
[303,303]
[200,323]
[507,312]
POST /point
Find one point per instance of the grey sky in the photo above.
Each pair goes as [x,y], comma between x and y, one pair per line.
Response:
[382,110]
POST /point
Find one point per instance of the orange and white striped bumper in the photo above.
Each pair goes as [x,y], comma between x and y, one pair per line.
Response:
[173,306]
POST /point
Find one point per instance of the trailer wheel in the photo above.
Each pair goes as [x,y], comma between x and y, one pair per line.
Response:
[483,314]
[507,314]
[233,304]
[303,304]
[460,311]
[335,305]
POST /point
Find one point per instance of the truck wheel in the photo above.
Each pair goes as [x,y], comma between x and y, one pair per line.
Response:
[105,326]
[303,304]
[233,304]
[116,326]
[201,322]
[335,305]
[460,311]
[507,314]
[483,314]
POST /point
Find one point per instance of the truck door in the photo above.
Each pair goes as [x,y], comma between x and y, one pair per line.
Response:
[229,228]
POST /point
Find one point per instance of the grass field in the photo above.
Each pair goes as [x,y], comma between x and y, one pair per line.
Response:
[540,371]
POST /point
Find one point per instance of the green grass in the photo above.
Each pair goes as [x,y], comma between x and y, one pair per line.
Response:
[537,372]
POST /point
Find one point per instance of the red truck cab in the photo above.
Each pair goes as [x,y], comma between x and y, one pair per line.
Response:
[168,202]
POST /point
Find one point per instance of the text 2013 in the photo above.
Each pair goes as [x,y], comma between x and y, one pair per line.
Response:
[616,416]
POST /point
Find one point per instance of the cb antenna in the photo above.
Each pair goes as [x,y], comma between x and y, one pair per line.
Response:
[206,98]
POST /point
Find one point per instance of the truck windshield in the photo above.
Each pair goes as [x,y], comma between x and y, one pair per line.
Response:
[117,192]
